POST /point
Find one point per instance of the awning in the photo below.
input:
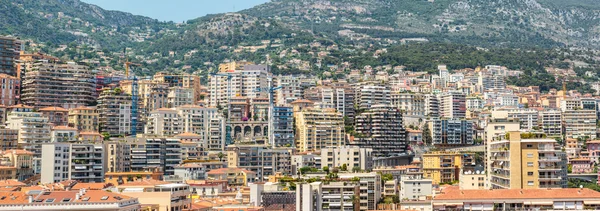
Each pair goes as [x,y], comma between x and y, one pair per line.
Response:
[591,202]
[538,202]
[448,204]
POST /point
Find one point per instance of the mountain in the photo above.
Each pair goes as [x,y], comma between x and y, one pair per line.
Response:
[298,36]
[65,21]
[481,22]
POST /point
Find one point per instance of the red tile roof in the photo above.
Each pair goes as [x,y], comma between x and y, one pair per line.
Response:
[54,109]
[11,183]
[454,193]
[90,196]
[228,170]
[90,186]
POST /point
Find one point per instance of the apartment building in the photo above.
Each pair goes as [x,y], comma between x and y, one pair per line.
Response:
[65,161]
[370,186]
[283,126]
[551,122]
[9,53]
[453,105]
[63,134]
[519,163]
[181,80]
[57,116]
[243,79]
[579,123]
[319,128]
[445,167]
[307,160]
[409,103]
[177,195]
[340,97]
[368,95]
[309,196]
[529,118]
[10,90]
[234,176]
[22,160]
[163,122]
[179,96]
[339,196]
[191,150]
[34,130]
[118,156]
[492,82]
[452,132]
[415,187]
[381,128]
[290,90]
[432,105]
[114,109]
[476,180]
[85,119]
[196,170]
[155,153]
[260,159]
[208,123]
[353,157]
[67,85]
[8,139]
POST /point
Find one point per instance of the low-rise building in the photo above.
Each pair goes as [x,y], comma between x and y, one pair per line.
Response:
[64,161]
[444,167]
[64,200]
[415,187]
[22,160]
[473,180]
[355,158]
[234,176]
[581,166]
[169,197]
[517,199]
[196,170]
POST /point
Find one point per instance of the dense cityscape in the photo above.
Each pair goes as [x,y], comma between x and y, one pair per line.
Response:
[104,132]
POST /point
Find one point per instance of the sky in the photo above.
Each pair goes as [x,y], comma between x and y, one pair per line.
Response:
[175,10]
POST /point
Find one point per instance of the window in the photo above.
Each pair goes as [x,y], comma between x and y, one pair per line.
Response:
[529,155]
[529,145]
[529,164]
[530,183]
[530,173]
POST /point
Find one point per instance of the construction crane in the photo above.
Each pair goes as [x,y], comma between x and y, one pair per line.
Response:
[127,65]
[228,139]
[134,95]
[271,90]
[270,127]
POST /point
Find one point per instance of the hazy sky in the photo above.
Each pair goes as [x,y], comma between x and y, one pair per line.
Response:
[175,10]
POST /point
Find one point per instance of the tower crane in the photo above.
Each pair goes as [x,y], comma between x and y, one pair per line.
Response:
[271,90]
[134,96]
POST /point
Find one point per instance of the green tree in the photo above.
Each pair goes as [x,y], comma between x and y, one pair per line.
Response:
[427,139]
[221,156]
[326,169]
[344,167]
[387,177]
[106,136]
[356,169]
